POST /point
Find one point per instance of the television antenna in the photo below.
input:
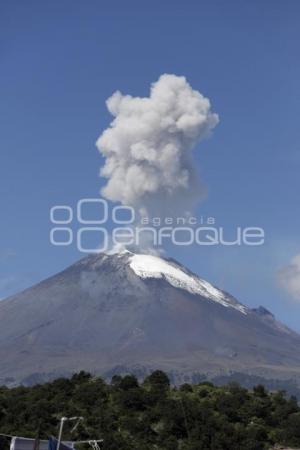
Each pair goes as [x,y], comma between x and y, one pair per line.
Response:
[63,420]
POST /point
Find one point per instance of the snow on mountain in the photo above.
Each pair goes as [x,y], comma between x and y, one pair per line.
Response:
[149,266]
[108,312]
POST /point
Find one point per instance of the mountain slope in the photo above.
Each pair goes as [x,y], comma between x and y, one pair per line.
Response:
[107,311]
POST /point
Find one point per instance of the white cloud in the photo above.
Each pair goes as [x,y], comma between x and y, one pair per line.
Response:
[148,147]
[289,278]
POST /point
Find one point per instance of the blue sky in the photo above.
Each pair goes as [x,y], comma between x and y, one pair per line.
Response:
[61,60]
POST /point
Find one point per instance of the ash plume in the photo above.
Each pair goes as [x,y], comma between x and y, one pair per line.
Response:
[149,161]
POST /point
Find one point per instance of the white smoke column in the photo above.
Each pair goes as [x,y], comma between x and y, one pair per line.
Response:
[289,278]
[148,147]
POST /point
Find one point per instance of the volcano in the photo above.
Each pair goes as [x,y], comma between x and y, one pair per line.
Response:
[136,312]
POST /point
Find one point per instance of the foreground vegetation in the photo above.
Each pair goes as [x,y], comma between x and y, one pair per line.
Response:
[152,415]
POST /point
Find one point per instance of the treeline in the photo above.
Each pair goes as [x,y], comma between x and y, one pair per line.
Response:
[130,415]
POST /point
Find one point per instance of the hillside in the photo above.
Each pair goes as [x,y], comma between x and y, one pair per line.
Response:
[141,312]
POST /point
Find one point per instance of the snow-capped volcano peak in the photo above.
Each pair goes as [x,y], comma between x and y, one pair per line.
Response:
[126,311]
[150,266]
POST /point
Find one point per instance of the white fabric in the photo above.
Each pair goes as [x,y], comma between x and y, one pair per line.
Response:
[18,443]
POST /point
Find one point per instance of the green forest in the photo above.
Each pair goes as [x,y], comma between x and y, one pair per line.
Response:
[130,415]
